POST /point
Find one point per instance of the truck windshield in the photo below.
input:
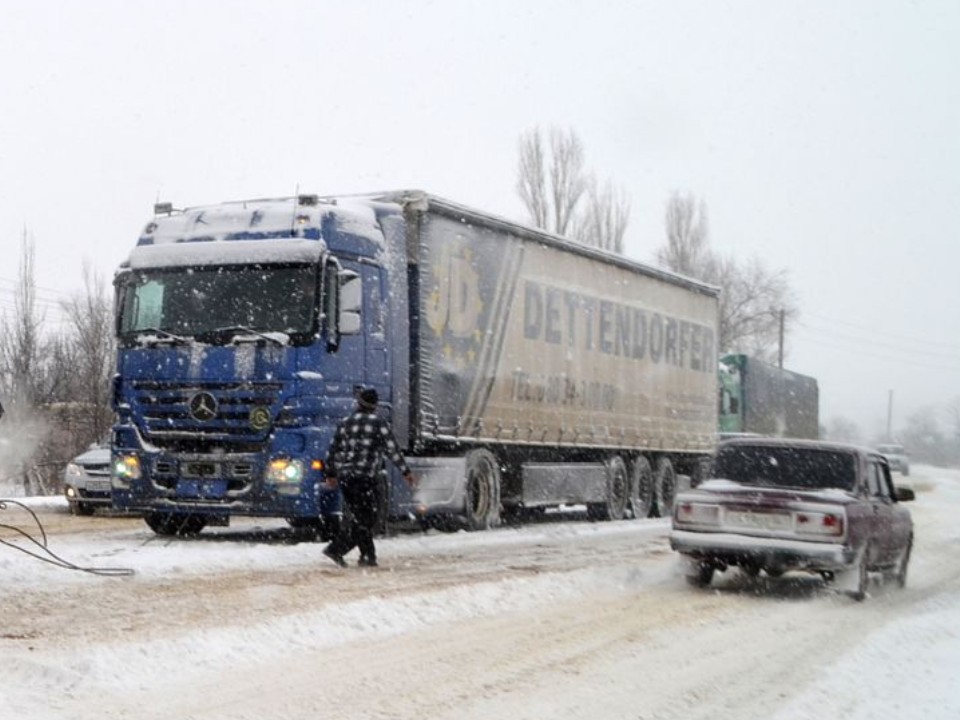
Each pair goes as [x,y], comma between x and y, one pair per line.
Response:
[219,301]
[788,467]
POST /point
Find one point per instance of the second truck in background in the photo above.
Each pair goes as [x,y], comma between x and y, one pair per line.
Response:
[762,399]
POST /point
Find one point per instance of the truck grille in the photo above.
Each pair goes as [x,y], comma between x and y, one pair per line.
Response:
[169,421]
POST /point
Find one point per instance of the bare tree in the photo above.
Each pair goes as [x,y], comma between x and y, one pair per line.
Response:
[842,429]
[562,197]
[22,379]
[568,178]
[753,302]
[20,344]
[687,250]
[92,351]
[753,298]
[532,179]
[923,438]
[603,221]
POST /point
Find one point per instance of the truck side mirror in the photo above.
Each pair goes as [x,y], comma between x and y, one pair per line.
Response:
[351,300]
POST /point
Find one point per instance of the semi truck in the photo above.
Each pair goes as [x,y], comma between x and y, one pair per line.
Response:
[763,399]
[520,370]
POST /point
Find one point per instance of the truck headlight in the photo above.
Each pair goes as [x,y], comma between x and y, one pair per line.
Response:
[125,469]
[73,470]
[287,474]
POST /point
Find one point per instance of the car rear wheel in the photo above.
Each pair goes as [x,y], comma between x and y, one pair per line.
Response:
[901,575]
[700,574]
[859,591]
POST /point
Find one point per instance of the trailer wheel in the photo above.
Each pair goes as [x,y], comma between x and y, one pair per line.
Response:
[666,487]
[641,488]
[482,508]
[618,492]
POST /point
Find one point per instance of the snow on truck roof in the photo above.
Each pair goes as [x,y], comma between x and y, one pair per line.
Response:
[293,229]
[299,229]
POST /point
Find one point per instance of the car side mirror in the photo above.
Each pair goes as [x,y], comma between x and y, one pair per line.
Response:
[905,493]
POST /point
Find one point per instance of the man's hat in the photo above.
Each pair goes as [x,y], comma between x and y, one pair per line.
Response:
[368,398]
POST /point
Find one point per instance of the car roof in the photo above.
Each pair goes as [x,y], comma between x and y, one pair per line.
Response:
[797,443]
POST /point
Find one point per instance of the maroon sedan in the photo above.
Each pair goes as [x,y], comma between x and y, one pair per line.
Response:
[778,505]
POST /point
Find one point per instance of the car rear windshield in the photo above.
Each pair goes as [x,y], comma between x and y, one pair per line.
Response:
[788,467]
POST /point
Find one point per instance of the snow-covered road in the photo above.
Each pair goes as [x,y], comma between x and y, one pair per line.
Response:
[553,620]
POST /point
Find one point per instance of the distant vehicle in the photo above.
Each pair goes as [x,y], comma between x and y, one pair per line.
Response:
[756,397]
[86,480]
[896,456]
[779,505]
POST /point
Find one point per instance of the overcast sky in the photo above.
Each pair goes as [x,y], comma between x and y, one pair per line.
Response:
[823,136]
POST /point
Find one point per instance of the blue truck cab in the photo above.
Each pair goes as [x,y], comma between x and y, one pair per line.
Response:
[244,330]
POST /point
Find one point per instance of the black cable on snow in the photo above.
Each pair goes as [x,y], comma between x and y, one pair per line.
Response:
[42,552]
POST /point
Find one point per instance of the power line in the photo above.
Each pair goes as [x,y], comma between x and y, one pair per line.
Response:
[874,331]
[860,352]
[881,344]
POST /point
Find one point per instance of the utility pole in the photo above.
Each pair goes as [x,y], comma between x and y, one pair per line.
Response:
[780,348]
[890,416]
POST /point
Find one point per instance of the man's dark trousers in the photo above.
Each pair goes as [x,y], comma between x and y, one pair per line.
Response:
[360,498]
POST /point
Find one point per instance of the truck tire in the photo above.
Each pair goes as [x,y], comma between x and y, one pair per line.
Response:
[641,488]
[81,508]
[175,523]
[482,506]
[618,492]
[666,487]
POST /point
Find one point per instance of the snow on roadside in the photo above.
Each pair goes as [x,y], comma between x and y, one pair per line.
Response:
[872,681]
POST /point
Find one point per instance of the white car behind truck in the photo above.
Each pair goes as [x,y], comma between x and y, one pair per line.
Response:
[86,480]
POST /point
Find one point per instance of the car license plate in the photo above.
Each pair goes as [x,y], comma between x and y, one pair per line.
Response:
[759,520]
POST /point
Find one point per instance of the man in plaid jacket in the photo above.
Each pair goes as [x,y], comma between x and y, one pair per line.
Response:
[355,457]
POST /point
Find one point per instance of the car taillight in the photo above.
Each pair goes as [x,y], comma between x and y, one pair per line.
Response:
[820,523]
[693,513]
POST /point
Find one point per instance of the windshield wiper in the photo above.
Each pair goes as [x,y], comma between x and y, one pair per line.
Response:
[164,336]
[250,331]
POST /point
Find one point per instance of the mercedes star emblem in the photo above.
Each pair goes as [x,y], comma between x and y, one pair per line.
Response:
[203,407]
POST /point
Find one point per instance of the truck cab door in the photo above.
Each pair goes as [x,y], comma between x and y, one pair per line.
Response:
[376,353]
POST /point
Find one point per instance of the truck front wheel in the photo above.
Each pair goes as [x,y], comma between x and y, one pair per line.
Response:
[175,523]
[483,490]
